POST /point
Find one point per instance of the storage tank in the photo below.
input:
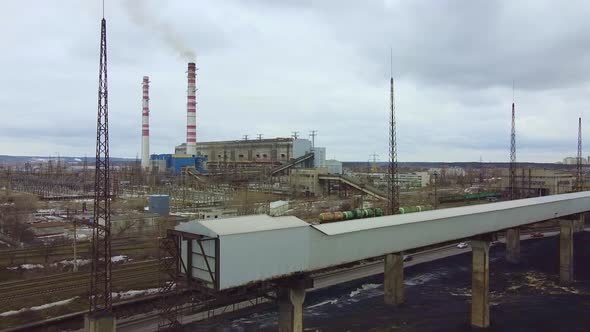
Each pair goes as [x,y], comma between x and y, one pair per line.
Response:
[412,209]
[159,204]
[348,215]
[326,217]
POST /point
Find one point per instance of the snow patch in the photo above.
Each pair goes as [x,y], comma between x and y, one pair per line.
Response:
[133,293]
[322,303]
[363,288]
[26,267]
[69,262]
[120,258]
[40,307]
[422,279]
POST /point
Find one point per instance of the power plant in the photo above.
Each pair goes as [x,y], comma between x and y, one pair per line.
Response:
[207,235]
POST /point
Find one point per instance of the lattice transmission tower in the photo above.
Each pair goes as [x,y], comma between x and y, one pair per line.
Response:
[100,288]
[579,173]
[512,191]
[393,170]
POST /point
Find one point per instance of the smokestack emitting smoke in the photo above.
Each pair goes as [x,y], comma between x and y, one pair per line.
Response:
[191,111]
[145,124]
[142,17]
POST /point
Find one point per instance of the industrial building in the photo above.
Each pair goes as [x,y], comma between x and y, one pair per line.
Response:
[406,180]
[413,180]
[540,182]
[264,151]
[176,162]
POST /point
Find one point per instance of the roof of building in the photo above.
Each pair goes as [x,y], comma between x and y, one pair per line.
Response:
[250,141]
[240,225]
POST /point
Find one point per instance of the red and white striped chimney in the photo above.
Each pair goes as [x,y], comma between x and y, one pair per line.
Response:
[145,124]
[191,111]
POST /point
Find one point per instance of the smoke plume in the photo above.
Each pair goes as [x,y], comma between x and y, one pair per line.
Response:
[141,16]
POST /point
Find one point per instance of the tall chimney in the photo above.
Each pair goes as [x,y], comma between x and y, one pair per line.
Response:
[145,124]
[191,111]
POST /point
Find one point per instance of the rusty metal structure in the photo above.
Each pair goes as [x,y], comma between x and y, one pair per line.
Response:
[393,169]
[512,190]
[100,285]
[579,170]
[169,282]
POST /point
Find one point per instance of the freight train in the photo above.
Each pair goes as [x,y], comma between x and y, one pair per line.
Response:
[469,197]
[366,213]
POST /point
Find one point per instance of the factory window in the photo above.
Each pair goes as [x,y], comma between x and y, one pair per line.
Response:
[241,156]
[264,155]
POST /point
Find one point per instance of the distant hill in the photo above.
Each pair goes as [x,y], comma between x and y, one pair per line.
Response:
[23,159]
[435,164]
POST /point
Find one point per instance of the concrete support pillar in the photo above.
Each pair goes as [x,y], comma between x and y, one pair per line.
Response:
[393,283]
[100,322]
[291,307]
[513,245]
[480,282]
[580,223]
[566,251]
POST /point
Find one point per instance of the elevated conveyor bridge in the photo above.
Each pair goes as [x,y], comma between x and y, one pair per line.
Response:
[292,163]
[365,188]
[221,256]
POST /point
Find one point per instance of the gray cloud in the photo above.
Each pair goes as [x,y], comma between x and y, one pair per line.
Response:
[273,67]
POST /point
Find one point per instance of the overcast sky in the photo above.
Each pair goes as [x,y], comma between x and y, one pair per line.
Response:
[274,67]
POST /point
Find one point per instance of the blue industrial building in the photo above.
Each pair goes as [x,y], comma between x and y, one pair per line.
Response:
[176,162]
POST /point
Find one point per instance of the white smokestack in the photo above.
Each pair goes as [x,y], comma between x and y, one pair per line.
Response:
[145,124]
[191,111]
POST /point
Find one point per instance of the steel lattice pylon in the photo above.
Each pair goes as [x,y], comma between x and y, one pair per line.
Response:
[512,192]
[579,173]
[100,287]
[392,176]
[169,283]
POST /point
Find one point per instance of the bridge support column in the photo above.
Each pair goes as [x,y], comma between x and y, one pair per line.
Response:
[480,274]
[566,251]
[100,322]
[513,245]
[580,223]
[291,300]
[393,283]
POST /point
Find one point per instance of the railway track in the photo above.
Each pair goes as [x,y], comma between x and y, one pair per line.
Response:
[67,285]
[47,254]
